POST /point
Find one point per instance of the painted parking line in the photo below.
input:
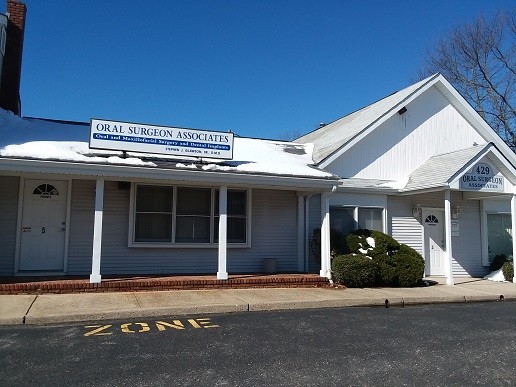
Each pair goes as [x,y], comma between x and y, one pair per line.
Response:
[143,327]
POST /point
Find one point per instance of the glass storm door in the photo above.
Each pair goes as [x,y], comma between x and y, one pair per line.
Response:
[433,223]
[43,226]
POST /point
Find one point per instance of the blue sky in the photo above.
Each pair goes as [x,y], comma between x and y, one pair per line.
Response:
[259,68]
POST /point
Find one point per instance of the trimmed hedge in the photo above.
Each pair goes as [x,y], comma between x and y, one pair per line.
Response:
[355,271]
[410,266]
[393,264]
[384,244]
[508,271]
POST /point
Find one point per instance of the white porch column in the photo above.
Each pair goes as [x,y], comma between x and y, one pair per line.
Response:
[222,273]
[447,232]
[513,225]
[97,232]
[325,235]
[300,233]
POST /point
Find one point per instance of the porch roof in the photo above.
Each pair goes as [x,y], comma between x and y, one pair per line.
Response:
[442,170]
[37,145]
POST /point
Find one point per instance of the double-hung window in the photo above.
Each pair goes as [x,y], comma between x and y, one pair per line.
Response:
[153,215]
[347,219]
[237,216]
[193,215]
[165,215]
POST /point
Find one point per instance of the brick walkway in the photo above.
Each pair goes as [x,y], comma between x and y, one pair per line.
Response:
[38,285]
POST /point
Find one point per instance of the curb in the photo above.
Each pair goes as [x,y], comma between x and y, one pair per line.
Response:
[396,302]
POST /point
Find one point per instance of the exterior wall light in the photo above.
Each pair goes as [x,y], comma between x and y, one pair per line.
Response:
[416,211]
[455,212]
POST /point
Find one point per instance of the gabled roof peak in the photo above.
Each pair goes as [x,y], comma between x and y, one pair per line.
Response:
[330,138]
[334,139]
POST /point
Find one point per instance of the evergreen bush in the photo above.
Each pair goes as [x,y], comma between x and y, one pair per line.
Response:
[384,244]
[354,271]
[387,275]
[508,271]
[409,266]
[397,264]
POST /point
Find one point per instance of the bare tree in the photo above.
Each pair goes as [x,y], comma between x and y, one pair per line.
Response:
[479,59]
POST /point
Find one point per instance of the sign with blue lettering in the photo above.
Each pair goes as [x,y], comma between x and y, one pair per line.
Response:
[124,136]
[482,178]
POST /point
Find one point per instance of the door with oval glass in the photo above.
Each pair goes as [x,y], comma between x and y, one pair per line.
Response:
[43,225]
[433,224]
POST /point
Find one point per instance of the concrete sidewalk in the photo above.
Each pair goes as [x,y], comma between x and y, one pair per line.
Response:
[60,308]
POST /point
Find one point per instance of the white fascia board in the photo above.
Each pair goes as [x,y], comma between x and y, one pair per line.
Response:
[379,191]
[425,189]
[135,172]
[393,110]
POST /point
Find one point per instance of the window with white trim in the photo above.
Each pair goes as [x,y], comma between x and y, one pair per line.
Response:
[168,215]
[370,219]
[342,219]
[237,216]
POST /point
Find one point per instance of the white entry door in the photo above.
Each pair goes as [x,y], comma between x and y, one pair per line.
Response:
[433,223]
[43,225]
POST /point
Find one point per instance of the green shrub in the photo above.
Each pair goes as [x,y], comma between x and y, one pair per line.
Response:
[498,262]
[387,275]
[384,244]
[508,271]
[355,241]
[409,266]
[396,264]
[404,268]
[354,271]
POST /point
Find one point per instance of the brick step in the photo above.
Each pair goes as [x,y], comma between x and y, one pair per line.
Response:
[35,285]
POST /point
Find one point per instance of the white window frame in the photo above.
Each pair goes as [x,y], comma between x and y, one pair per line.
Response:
[355,210]
[173,244]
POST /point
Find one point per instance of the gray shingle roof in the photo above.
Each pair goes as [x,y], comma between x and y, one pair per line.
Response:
[437,171]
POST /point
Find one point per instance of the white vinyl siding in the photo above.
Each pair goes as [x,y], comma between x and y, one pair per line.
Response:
[80,246]
[431,126]
[273,235]
[8,210]
[467,247]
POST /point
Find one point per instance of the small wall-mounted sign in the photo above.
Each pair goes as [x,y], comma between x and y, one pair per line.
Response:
[455,227]
[124,136]
[482,178]
[26,229]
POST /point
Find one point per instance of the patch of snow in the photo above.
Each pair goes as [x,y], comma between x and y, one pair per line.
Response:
[496,276]
[363,251]
[371,242]
[40,139]
[66,151]
[398,184]
[189,166]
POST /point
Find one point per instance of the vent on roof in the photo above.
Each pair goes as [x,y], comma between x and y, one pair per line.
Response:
[403,110]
